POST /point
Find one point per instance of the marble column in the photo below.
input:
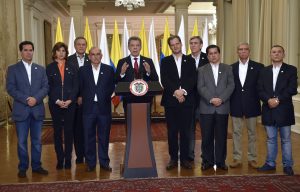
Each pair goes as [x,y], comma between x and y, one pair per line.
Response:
[181,8]
[76,11]
[28,16]
[240,24]
[224,30]
[293,52]
[254,12]
[293,41]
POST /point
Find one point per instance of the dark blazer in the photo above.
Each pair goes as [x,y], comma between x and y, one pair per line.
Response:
[171,81]
[244,100]
[208,90]
[70,87]
[103,89]
[203,60]
[129,76]
[72,60]
[286,87]
[19,88]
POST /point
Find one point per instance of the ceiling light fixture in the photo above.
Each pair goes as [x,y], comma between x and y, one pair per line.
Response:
[130,4]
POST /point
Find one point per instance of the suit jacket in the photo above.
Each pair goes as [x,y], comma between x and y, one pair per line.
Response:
[103,89]
[208,90]
[286,87]
[19,88]
[203,60]
[244,100]
[129,76]
[170,81]
[70,87]
[72,60]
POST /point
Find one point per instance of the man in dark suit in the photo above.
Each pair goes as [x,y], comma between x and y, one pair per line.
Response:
[27,84]
[215,86]
[96,87]
[245,104]
[135,66]
[276,86]
[79,59]
[178,77]
[196,44]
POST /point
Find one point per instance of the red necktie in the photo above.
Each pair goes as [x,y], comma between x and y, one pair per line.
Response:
[136,68]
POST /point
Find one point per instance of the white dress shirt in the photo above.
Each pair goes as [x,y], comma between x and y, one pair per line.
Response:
[276,70]
[96,76]
[243,67]
[215,70]
[132,61]
[80,60]
[197,59]
[28,70]
[178,64]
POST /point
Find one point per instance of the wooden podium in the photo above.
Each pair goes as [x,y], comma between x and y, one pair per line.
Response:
[139,161]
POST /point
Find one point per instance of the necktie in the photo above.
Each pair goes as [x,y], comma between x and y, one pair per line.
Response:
[136,68]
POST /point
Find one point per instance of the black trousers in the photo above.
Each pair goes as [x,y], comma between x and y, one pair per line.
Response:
[63,120]
[179,120]
[214,138]
[78,134]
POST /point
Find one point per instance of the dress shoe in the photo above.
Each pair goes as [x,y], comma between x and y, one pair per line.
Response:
[222,167]
[172,165]
[266,167]
[235,164]
[90,169]
[106,167]
[41,171]
[206,166]
[22,174]
[79,161]
[186,165]
[68,165]
[288,171]
[253,164]
[59,166]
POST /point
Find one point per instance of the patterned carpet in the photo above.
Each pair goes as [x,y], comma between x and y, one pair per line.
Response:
[117,132]
[266,183]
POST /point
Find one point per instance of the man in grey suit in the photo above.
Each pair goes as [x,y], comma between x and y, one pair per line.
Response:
[215,85]
[27,84]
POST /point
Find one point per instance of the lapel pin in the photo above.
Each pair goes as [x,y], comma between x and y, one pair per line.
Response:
[35,68]
[202,58]
[184,60]
[251,67]
[220,72]
[66,69]
[281,71]
[101,73]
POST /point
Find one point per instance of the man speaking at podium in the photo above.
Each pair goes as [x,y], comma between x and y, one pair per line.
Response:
[135,66]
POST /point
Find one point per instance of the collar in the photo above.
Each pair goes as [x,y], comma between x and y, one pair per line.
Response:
[77,55]
[25,63]
[132,57]
[240,62]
